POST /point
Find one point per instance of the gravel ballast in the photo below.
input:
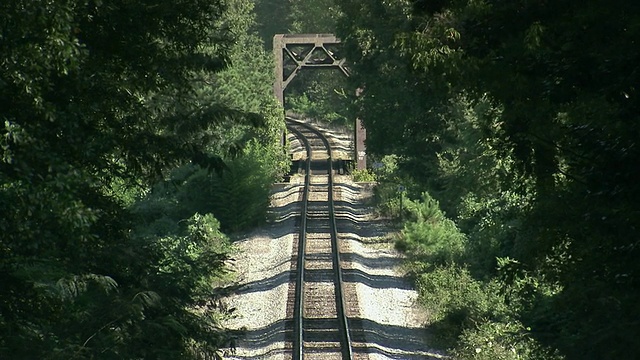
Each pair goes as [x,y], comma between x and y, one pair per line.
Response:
[392,324]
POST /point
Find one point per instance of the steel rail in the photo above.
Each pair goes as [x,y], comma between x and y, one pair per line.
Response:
[302,241]
[345,337]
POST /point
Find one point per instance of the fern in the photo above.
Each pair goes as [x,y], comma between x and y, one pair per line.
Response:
[146,299]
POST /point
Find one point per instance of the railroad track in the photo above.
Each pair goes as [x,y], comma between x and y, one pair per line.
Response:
[321,327]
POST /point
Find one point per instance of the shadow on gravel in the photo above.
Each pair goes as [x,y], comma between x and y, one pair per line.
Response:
[266,284]
[260,342]
[283,213]
[370,228]
[375,281]
[354,188]
[353,209]
[393,342]
[380,262]
[326,275]
[354,219]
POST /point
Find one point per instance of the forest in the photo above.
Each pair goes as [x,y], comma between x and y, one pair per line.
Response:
[514,127]
[138,137]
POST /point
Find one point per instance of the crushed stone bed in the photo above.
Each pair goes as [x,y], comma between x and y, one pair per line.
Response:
[393,325]
[390,323]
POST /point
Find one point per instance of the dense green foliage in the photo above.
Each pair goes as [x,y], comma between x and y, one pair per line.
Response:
[319,94]
[521,118]
[239,196]
[104,253]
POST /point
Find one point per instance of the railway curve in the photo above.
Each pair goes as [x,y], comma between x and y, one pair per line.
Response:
[321,327]
[378,304]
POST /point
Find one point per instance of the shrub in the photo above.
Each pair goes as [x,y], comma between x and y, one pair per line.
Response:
[430,237]
[455,301]
[491,340]
[363,175]
[238,197]
[183,285]
[493,225]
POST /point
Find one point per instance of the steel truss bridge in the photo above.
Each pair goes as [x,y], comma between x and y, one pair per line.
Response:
[295,52]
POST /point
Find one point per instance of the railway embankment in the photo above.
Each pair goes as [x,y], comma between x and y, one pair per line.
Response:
[385,321]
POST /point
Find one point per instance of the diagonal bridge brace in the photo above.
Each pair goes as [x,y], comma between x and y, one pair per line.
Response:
[295,52]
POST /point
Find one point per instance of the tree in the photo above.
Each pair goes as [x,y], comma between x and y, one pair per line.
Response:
[97,102]
[522,116]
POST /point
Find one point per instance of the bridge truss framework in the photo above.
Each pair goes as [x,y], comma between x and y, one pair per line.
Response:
[295,52]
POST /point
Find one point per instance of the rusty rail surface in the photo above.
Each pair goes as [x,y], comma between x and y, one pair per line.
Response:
[298,317]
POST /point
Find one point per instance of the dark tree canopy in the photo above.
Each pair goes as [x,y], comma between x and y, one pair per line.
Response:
[98,100]
[521,117]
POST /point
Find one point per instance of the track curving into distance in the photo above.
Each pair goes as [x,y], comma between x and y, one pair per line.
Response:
[321,328]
